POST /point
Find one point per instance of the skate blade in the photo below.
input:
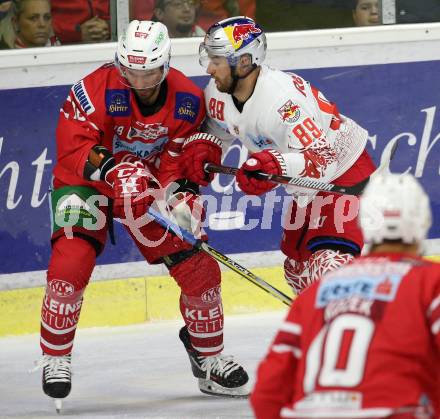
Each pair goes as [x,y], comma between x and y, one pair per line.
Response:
[214,389]
[58,405]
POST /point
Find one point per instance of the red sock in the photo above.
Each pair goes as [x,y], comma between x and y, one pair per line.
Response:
[200,302]
[70,267]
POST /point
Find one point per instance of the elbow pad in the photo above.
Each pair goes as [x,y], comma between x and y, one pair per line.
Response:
[100,161]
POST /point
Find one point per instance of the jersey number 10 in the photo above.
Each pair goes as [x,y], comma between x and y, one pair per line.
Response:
[338,354]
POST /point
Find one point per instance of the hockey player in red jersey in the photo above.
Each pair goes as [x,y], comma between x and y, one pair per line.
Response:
[364,342]
[290,128]
[120,136]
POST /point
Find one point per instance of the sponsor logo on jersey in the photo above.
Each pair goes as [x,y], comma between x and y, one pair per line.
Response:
[335,399]
[289,112]
[139,148]
[142,35]
[240,35]
[147,132]
[380,287]
[61,288]
[80,93]
[187,107]
[260,141]
[135,59]
[117,102]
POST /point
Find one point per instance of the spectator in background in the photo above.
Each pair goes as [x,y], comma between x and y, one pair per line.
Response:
[141,9]
[212,11]
[28,24]
[5,5]
[81,20]
[365,12]
[209,12]
[179,16]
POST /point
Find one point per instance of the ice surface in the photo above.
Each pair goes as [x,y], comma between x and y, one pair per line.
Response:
[139,371]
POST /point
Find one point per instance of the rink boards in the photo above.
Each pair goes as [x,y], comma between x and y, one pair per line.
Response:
[390,87]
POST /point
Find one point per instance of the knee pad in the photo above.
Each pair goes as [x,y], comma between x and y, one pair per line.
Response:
[296,274]
[326,260]
[197,274]
[299,275]
[72,260]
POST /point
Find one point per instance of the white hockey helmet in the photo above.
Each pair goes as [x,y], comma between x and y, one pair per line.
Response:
[394,207]
[232,38]
[145,45]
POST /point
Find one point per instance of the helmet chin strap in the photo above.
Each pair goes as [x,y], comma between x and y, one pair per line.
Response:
[236,77]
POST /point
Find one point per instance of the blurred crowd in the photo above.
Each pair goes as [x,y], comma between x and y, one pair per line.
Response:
[36,23]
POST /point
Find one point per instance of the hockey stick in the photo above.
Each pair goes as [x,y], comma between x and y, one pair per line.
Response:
[355,189]
[220,257]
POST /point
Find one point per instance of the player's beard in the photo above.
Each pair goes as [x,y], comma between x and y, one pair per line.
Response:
[225,85]
[148,96]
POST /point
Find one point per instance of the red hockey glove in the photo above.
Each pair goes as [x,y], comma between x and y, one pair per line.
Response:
[267,161]
[199,149]
[129,182]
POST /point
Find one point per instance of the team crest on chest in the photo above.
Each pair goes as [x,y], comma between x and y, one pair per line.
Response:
[289,112]
[147,131]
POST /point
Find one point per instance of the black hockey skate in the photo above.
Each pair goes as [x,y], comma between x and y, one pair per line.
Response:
[218,375]
[57,377]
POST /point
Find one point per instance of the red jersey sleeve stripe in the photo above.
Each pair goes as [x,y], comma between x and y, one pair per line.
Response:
[282,348]
[434,306]
[293,328]
[287,338]
[435,328]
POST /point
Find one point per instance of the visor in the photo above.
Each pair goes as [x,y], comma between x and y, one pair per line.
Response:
[207,56]
[142,79]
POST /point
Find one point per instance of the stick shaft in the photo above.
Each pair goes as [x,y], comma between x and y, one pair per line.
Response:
[220,257]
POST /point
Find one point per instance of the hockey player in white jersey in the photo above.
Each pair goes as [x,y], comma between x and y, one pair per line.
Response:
[289,128]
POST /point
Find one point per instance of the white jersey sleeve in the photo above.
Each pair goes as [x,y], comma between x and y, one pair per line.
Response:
[316,142]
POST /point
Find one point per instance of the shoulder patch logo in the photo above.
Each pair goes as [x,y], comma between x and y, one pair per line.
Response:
[117,102]
[289,112]
[187,107]
[80,93]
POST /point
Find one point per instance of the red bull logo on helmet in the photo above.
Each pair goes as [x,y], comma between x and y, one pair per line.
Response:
[241,34]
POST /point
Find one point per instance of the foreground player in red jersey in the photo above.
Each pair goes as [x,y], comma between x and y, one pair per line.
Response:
[120,136]
[365,341]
